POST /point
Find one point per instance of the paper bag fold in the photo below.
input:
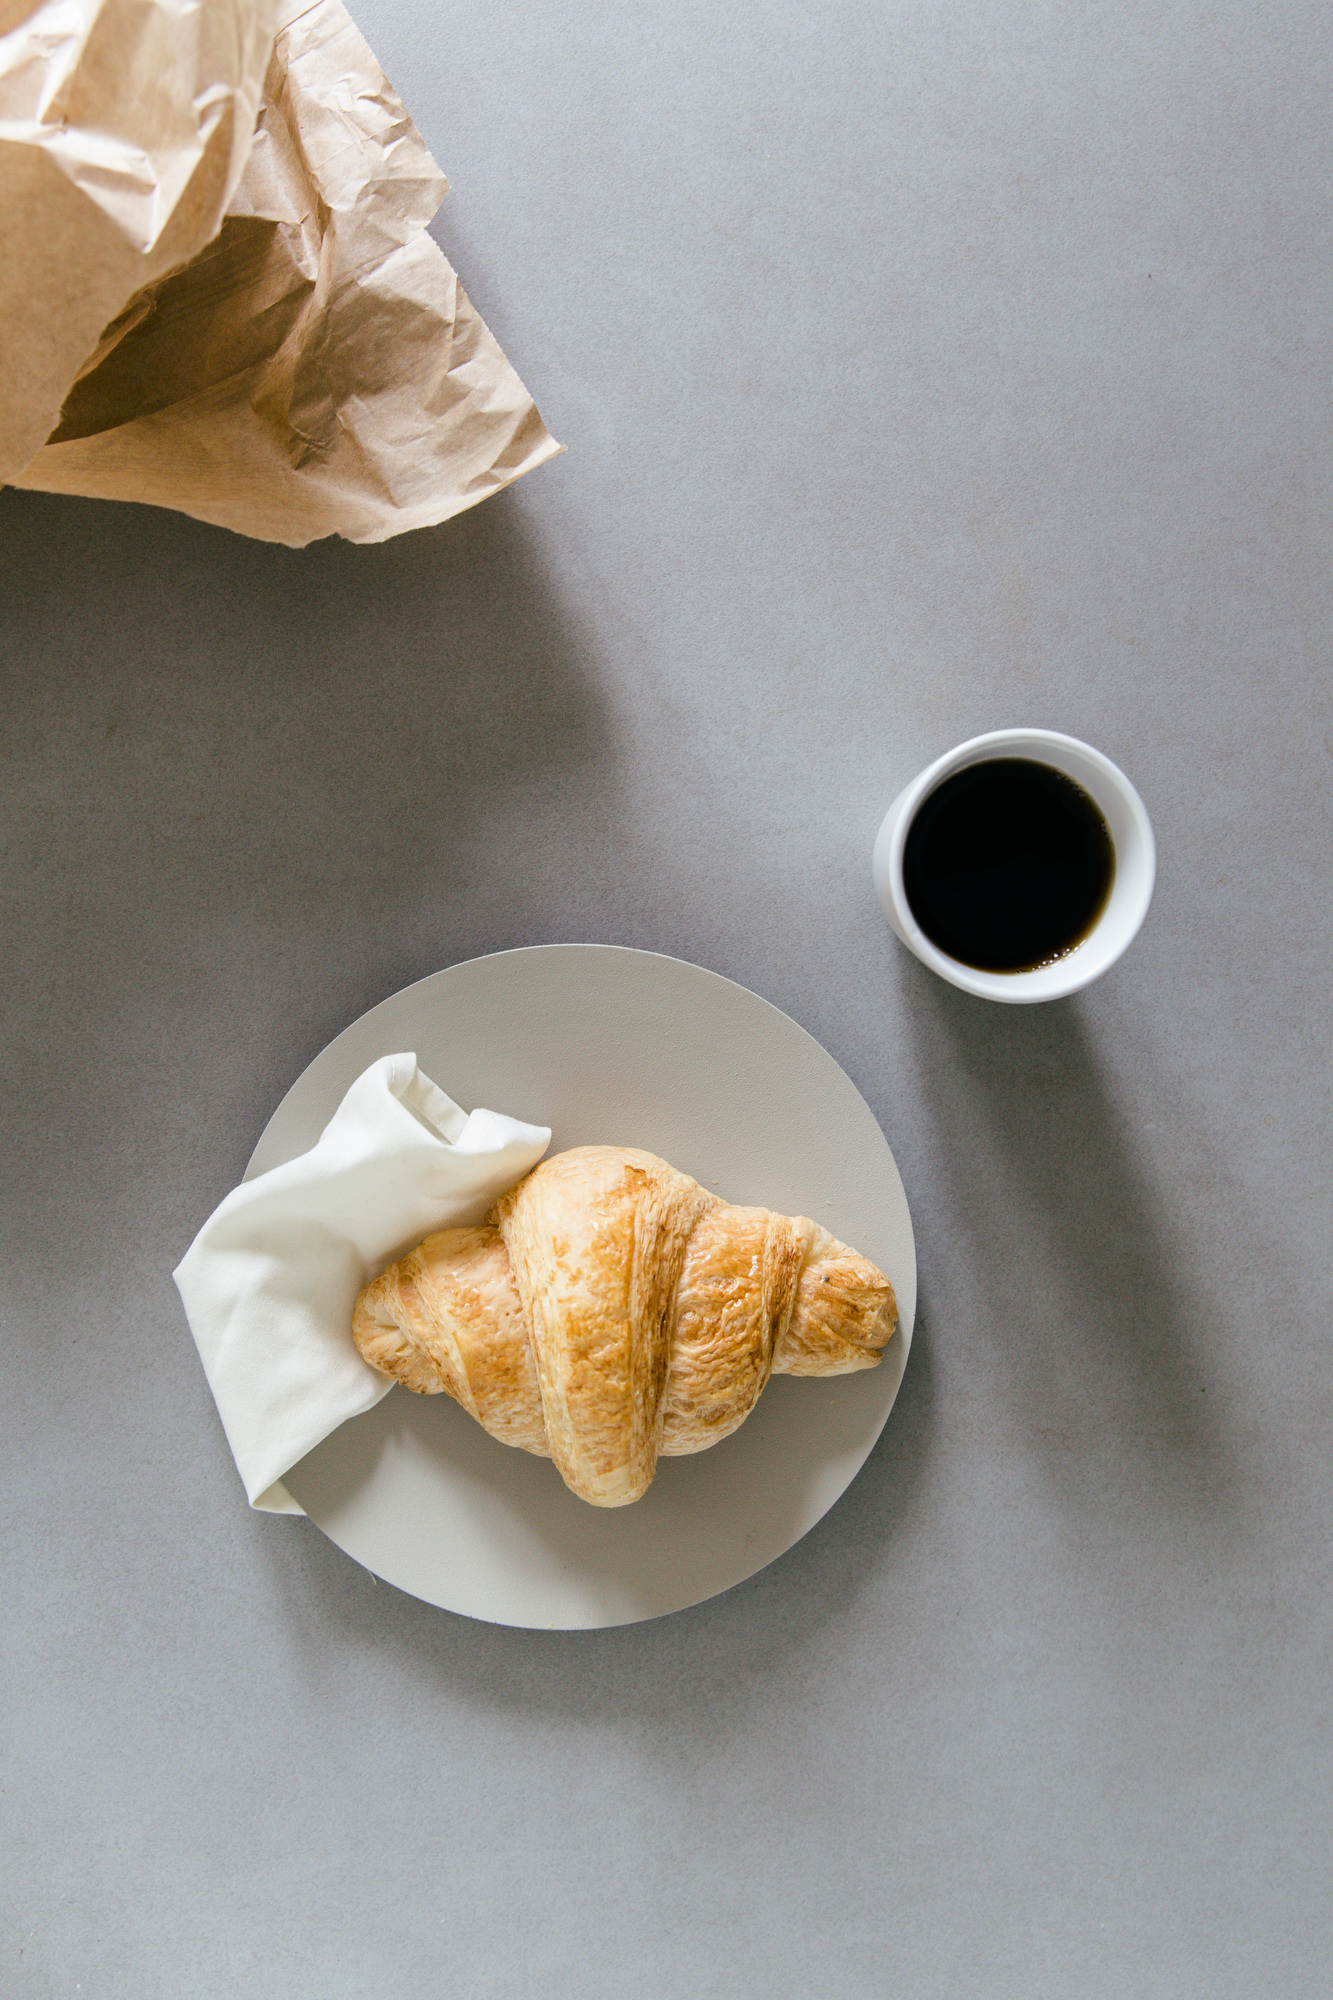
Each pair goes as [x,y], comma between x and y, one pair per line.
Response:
[124,128]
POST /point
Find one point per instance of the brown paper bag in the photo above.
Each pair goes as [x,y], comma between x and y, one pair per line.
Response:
[316,368]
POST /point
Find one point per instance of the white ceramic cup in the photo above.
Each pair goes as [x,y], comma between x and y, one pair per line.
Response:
[1131,889]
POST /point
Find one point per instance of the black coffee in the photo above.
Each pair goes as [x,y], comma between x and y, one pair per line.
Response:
[1008,865]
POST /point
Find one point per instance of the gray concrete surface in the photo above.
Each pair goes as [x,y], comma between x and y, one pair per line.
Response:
[922,371]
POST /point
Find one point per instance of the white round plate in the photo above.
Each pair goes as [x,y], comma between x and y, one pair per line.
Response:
[624,1048]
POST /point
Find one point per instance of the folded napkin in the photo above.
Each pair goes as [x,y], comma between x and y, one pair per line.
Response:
[270,1281]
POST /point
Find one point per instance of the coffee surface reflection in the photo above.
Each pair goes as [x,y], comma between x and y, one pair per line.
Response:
[1008,865]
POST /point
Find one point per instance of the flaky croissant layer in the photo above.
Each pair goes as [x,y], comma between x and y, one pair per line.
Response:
[612,1309]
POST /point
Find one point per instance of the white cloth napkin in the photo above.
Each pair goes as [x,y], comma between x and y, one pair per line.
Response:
[270,1281]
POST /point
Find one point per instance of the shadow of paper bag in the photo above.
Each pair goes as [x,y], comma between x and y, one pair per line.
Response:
[315,368]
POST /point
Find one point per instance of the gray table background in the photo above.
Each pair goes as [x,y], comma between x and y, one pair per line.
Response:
[922,371]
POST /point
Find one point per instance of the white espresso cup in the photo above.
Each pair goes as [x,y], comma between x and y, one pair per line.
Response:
[1131,888]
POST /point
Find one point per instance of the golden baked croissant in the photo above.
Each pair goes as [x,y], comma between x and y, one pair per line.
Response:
[613,1309]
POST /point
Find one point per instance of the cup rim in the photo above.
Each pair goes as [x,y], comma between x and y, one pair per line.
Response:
[1131,893]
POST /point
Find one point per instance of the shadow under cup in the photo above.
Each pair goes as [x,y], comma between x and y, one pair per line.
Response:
[1131,889]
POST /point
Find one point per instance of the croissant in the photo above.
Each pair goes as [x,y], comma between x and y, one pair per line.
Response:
[612,1309]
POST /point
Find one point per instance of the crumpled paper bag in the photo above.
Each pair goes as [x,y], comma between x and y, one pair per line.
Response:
[314,366]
